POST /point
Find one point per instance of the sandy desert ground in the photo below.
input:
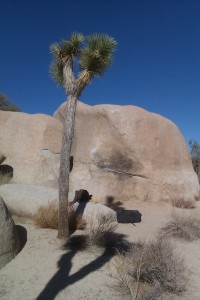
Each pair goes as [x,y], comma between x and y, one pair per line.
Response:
[44,270]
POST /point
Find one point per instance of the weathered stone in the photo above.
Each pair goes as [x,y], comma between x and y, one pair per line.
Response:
[31,145]
[91,212]
[9,240]
[129,154]
[24,200]
[123,152]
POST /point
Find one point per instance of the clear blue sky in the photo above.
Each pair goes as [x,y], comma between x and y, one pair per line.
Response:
[157,63]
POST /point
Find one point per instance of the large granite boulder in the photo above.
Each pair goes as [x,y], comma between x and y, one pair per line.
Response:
[120,152]
[24,200]
[9,240]
[30,145]
[128,153]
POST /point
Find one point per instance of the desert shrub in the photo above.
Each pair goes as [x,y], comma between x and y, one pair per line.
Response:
[183,226]
[99,231]
[150,268]
[195,155]
[47,217]
[6,104]
[181,203]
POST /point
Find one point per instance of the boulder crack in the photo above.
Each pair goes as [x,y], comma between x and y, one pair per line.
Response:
[125,173]
[113,170]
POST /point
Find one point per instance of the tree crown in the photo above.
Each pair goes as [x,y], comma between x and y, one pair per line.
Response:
[92,54]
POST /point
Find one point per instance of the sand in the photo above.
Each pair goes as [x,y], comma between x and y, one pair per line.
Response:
[43,270]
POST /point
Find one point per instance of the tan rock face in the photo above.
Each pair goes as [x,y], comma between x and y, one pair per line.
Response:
[93,212]
[31,145]
[129,154]
[121,152]
[25,199]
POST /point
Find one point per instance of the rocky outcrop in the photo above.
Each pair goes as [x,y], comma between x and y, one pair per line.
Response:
[9,240]
[30,144]
[24,200]
[121,152]
[128,153]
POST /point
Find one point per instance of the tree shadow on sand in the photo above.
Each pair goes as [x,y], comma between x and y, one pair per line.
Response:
[62,279]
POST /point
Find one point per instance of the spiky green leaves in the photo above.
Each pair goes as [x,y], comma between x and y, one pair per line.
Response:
[67,48]
[94,57]
[63,51]
[56,71]
[98,53]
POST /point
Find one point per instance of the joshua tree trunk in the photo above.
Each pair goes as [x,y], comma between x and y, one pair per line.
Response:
[63,222]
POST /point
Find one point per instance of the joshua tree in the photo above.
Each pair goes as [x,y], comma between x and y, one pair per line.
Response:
[91,56]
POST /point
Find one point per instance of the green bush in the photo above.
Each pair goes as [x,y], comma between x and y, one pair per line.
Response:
[195,155]
[6,104]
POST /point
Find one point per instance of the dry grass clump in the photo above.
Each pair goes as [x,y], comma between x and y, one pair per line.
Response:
[100,231]
[97,232]
[181,203]
[183,226]
[149,269]
[47,217]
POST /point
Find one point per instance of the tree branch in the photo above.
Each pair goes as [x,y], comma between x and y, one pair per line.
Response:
[69,77]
